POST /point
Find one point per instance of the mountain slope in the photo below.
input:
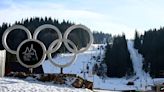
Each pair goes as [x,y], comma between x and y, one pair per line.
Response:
[142,78]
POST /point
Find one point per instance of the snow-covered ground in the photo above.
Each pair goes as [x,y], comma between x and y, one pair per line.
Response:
[142,80]
[31,85]
[28,85]
[84,59]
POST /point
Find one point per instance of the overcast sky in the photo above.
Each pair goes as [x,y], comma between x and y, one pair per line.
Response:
[109,16]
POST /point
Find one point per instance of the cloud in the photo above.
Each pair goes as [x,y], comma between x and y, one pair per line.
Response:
[44,9]
[108,16]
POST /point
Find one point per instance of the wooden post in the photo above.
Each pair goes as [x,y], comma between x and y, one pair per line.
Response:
[2,62]
[61,70]
[31,70]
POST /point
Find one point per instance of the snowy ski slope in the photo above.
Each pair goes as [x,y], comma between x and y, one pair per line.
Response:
[142,81]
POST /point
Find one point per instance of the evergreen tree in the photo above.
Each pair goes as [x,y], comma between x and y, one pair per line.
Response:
[137,41]
[117,58]
[153,52]
[102,38]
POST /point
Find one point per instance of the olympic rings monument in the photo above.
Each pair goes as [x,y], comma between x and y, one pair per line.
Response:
[31,53]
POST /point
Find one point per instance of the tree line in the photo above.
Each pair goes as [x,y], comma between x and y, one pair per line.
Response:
[117,58]
[151,46]
[101,38]
[78,36]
